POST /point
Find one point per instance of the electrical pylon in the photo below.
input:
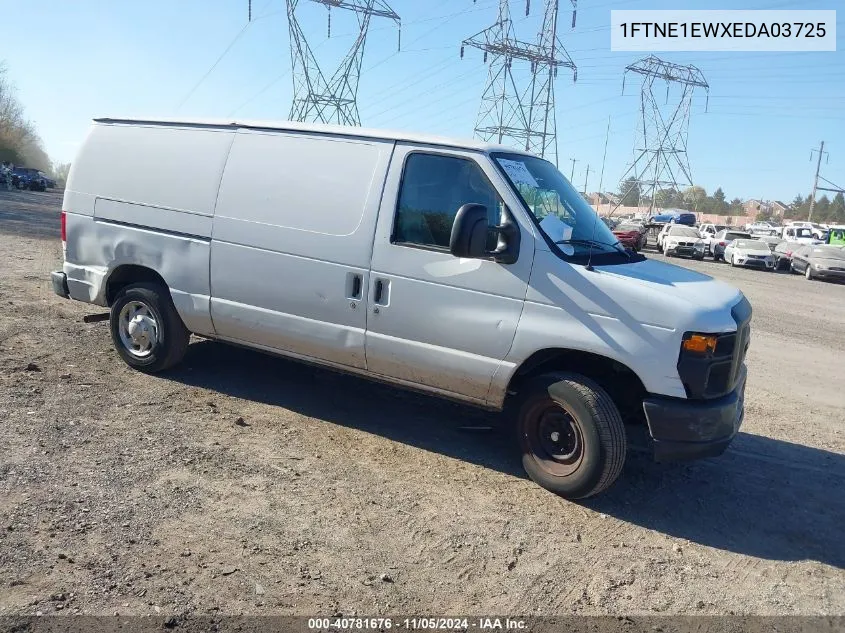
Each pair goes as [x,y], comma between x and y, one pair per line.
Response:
[334,100]
[524,116]
[660,152]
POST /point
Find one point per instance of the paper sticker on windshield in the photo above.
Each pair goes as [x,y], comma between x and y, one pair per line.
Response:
[557,230]
[518,172]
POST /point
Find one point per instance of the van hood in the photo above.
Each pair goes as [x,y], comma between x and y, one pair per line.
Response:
[670,296]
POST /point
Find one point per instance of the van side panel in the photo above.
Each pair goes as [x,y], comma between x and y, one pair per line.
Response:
[169,167]
[145,195]
[293,235]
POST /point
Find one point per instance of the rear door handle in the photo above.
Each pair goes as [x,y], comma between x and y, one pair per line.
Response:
[354,283]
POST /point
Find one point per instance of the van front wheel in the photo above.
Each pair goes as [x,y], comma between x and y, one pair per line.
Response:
[146,329]
[571,435]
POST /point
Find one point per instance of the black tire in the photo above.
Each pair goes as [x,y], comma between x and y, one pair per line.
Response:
[571,435]
[172,337]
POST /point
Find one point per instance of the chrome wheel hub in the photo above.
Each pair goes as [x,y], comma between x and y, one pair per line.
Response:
[138,329]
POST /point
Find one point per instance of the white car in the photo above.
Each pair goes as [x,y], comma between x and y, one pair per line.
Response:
[802,234]
[683,241]
[750,253]
[761,228]
[707,232]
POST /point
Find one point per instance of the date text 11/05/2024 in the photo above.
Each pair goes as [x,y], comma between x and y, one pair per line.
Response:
[417,624]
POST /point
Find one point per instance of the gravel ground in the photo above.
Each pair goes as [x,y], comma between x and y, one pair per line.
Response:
[121,492]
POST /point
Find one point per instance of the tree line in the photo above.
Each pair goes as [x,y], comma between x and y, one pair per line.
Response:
[825,210]
[698,200]
[19,141]
[693,198]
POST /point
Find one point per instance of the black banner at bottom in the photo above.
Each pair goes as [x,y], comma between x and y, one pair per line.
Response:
[343,624]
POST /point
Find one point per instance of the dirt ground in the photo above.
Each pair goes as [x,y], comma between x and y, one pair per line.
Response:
[121,492]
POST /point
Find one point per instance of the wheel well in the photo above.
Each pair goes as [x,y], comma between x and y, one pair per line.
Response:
[127,274]
[621,383]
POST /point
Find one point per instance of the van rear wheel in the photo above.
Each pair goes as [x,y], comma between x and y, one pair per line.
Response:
[571,435]
[146,330]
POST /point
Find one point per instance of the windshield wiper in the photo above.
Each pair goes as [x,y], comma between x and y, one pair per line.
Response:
[586,242]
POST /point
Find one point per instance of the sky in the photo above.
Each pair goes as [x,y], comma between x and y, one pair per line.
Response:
[202,58]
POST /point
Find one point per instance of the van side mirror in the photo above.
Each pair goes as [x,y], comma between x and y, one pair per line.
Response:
[470,232]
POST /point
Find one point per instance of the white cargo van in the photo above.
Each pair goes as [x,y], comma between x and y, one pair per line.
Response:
[471,271]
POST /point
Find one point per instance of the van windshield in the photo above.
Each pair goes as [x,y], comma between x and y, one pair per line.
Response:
[559,210]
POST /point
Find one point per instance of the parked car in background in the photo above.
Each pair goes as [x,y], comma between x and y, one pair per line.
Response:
[820,262]
[631,235]
[610,222]
[769,240]
[783,254]
[749,253]
[803,234]
[819,231]
[28,178]
[683,241]
[761,228]
[721,239]
[707,231]
[675,217]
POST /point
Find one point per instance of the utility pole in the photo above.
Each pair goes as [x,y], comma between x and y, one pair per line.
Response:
[572,174]
[586,178]
[816,181]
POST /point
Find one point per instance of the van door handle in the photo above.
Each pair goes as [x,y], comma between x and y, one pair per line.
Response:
[354,282]
[378,291]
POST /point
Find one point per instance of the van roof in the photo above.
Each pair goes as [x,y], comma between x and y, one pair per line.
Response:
[320,128]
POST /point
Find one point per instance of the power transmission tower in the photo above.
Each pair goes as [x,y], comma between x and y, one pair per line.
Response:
[333,100]
[525,116]
[660,155]
[816,181]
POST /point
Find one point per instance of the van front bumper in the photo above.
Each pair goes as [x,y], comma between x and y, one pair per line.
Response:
[59,280]
[694,429]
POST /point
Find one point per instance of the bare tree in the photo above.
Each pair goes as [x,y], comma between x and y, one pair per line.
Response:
[19,142]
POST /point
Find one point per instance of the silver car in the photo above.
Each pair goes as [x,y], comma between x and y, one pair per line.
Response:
[750,253]
[820,262]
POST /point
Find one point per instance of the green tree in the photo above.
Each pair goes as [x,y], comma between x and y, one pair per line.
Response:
[630,193]
[822,209]
[735,207]
[19,142]
[694,196]
[837,209]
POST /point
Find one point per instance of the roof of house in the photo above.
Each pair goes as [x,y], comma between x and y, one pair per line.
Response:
[319,128]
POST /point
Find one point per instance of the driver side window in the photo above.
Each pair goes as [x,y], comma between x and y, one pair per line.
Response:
[432,190]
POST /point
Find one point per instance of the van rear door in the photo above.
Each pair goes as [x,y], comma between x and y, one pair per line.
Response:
[434,319]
